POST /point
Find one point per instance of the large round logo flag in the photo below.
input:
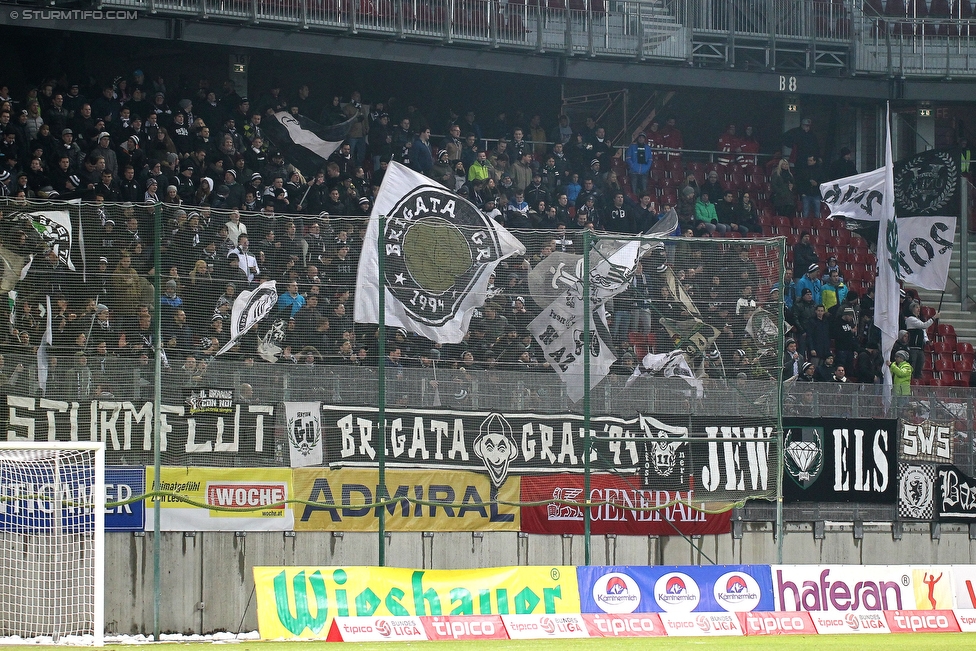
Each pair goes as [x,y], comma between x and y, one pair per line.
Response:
[439,251]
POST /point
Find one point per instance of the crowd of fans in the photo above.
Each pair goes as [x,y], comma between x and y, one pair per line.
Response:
[236,212]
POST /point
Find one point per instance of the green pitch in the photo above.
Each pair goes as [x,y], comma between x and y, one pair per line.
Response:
[919,641]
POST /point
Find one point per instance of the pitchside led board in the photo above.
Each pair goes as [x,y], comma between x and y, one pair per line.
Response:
[840,460]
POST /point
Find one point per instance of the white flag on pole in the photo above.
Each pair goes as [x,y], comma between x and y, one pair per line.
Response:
[886,285]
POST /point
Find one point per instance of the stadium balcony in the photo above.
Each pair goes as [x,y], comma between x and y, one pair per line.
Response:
[857,38]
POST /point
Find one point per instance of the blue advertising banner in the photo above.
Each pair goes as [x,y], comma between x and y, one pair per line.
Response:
[675,589]
[32,501]
[122,483]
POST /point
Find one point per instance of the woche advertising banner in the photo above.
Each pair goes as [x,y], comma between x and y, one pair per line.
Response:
[685,589]
[840,460]
[222,490]
[443,501]
[301,602]
[624,508]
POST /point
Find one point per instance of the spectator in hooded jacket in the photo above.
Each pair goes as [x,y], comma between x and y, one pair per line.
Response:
[639,162]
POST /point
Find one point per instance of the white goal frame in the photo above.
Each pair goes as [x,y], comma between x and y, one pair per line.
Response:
[98,529]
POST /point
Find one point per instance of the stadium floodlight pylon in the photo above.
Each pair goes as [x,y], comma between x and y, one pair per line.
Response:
[52,542]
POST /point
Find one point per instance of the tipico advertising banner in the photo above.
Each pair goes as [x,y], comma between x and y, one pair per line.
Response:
[301,602]
[624,507]
[260,490]
[443,501]
[847,588]
[675,589]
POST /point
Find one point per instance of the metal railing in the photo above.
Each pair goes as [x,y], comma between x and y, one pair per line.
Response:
[817,33]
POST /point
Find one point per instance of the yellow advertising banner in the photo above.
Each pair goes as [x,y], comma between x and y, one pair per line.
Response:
[422,500]
[224,492]
[300,602]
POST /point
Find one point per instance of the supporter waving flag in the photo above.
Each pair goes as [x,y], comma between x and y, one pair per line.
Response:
[439,251]
[250,307]
[303,142]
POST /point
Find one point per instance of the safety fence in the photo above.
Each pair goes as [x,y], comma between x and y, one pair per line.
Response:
[806,34]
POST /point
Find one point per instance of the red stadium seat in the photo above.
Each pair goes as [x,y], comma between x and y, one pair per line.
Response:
[964,348]
[946,331]
[942,348]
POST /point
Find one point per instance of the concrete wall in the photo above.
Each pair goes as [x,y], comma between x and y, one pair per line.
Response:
[207,582]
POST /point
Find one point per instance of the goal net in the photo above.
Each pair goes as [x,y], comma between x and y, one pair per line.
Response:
[52,547]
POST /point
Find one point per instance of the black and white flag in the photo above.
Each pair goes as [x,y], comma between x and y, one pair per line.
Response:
[304,142]
[926,191]
[439,251]
[250,307]
[304,433]
[916,490]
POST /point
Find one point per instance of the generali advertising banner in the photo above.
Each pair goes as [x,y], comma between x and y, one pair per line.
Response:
[302,602]
[442,500]
[840,460]
[673,589]
[622,506]
[222,499]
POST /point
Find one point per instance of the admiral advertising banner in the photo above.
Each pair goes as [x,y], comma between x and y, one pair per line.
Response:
[955,495]
[840,460]
[444,501]
[663,454]
[858,588]
[261,491]
[676,589]
[624,508]
[301,602]
[127,426]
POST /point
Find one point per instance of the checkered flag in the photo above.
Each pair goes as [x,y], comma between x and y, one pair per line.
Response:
[916,489]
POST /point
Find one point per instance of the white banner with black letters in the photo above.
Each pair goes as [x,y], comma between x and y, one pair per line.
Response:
[925,249]
[304,421]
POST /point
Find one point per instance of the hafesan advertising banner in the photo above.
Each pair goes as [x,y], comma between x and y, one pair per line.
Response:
[225,492]
[443,500]
[301,602]
[857,588]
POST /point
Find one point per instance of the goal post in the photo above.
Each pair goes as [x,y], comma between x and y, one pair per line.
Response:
[52,542]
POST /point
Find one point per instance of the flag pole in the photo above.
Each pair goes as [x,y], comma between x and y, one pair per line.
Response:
[157,415]
[381,387]
[587,243]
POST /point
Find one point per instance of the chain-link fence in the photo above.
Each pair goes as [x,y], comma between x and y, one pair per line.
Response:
[684,339]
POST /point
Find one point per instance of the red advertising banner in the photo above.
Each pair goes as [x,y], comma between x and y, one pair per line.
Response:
[625,625]
[625,508]
[922,621]
[466,627]
[777,623]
